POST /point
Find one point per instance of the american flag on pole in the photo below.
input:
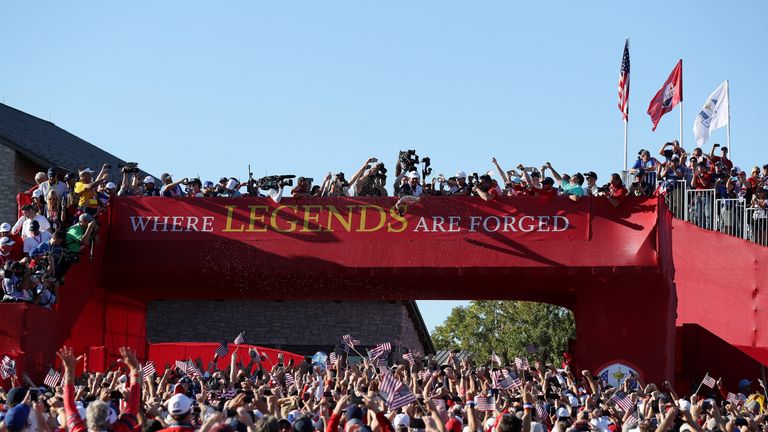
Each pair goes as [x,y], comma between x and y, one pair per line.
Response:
[52,379]
[624,83]
[521,363]
[485,403]
[348,341]
[708,381]
[239,340]
[148,370]
[409,358]
[495,359]
[222,350]
[7,367]
[381,350]
[623,402]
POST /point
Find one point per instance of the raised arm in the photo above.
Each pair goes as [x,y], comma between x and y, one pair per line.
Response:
[555,174]
[501,171]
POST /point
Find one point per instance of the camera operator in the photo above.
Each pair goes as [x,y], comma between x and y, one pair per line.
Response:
[303,188]
[60,258]
[171,188]
[16,281]
[459,186]
[373,181]
[149,187]
[339,186]
[409,185]
[485,188]
[79,235]
[194,188]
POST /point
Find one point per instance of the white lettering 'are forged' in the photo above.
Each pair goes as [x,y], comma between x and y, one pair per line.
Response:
[494,224]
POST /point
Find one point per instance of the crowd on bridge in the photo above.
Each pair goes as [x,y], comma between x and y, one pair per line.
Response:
[375,392]
[57,221]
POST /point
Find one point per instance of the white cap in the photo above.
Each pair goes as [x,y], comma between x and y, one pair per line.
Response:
[111,185]
[461,174]
[562,412]
[231,184]
[402,419]
[179,404]
[413,174]
[684,405]
[5,227]
[86,170]
[149,179]
[6,241]
[38,193]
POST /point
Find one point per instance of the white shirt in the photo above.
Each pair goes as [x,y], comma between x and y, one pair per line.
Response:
[32,242]
[24,223]
[59,187]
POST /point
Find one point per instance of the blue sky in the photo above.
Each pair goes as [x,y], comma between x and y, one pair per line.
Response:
[305,88]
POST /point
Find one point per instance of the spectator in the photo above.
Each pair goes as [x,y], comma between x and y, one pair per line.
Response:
[6,251]
[53,183]
[16,281]
[646,163]
[53,210]
[195,188]
[723,158]
[149,187]
[35,238]
[459,185]
[591,186]
[616,192]
[572,188]
[303,188]
[171,188]
[80,234]
[409,185]
[23,224]
[15,246]
[485,188]
[87,188]
[231,189]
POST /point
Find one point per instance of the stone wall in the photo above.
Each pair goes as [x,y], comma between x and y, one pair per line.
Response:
[9,185]
[302,327]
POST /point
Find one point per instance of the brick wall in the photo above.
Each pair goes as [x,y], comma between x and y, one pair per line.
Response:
[8,185]
[302,327]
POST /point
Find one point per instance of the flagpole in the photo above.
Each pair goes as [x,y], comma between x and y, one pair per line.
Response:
[625,148]
[728,125]
[681,123]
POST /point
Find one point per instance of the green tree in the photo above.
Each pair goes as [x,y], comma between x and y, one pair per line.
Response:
[507,328]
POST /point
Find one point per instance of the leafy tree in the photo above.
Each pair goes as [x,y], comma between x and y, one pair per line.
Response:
[507,328]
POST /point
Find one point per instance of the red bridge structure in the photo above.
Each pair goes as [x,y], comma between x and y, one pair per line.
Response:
[657,294]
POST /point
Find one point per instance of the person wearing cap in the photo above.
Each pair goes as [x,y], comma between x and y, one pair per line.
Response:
[97,412]
[590,188]
[79,235]
[180,411]
[461,188]
[407,184]
[194,188]
[485,188]
[6,249]
[171,188]
[35,238]
[87,188]
[14,244]
[302,188]
[149,187]
[647,163]
[30,214]
[723,158]
[53,183]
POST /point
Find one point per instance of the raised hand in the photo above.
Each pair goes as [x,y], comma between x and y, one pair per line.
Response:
[129,358]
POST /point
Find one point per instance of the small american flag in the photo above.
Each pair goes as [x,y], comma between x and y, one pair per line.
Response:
[732,398]
[229,393]
[485,403]
[708,381]
[541,411]
[624,82]
[495,378]
[240,339]
[389,384]
[289,381]
[380,350]
[623,402]
[222,350]
[495,359]
[7,367]
[78,389]
[191,369]
[401,397]
[348,341]
[148,370]
[521,363]
[632,419]
[409,358]
[254,355]
[52,379]
[181,365]
[332,358]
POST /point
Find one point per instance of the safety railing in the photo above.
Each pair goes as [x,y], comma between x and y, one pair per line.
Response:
[730,216]
[700,208]
[756,225]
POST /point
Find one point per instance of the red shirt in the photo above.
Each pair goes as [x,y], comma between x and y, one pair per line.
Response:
[727,162]
[702,181]
[618,193]
[549,193]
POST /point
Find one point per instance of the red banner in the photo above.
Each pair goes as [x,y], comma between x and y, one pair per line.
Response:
[260,219]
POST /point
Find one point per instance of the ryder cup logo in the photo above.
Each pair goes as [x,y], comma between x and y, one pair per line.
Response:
[669,92]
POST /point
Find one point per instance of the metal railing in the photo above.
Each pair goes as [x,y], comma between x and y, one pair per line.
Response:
[701,207]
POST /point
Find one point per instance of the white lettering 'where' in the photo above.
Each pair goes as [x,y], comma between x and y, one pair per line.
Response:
[172,223]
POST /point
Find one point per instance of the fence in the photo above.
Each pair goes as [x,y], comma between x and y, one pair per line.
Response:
[701,207]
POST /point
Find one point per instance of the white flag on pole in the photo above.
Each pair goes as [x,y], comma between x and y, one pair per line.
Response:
[713,115]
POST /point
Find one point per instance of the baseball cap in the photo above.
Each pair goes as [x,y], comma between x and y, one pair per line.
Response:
[548,180]
[353,422]
[413,174]
[304,424]
[402,420]
[354,412]
[86,170]
[179,404]
[51,172]
[5,227]
[208,184]
[562,412]
[15,396]
[85,217]
[745,383]
[34,225]
[149,179]
[461,174]
[111,185]
[69,176]
[164,176]
[590,174]
[16,418]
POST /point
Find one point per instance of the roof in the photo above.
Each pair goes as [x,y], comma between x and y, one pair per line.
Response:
[49,145]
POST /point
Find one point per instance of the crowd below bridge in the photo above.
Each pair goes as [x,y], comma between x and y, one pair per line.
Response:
[347,391]
[57,224]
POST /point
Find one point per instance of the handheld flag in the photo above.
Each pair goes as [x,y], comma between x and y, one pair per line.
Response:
[222,350]
[52,379]
[239,340]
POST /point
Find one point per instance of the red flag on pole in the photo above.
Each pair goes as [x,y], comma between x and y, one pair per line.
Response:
[668,96]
